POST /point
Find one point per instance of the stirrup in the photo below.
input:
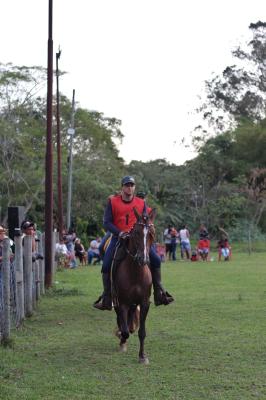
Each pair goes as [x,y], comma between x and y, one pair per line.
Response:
[102,304]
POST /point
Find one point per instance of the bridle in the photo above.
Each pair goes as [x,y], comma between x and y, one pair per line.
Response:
[138,256]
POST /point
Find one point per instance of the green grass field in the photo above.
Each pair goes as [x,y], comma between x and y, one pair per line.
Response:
[209,344]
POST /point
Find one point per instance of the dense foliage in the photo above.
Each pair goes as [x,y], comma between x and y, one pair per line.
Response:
[223,186]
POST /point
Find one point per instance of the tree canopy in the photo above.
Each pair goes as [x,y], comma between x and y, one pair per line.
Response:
[223,186]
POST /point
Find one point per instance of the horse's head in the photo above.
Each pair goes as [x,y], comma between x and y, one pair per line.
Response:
[142,236]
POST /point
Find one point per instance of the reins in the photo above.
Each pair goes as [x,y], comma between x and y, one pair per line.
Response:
[130,236]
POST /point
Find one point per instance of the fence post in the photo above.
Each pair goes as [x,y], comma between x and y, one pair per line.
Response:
[34,294]
[6,291]
[19,279]
[38,277]
[27,247]
[41,263]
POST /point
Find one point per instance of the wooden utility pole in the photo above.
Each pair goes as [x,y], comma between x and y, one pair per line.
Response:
[49,157]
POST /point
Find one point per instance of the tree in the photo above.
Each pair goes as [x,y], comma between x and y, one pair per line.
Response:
[240,91]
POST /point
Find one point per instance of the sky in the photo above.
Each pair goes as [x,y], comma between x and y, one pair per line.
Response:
[141,61]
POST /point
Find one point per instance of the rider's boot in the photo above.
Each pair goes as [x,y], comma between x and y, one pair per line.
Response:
[106,303]
[161,296]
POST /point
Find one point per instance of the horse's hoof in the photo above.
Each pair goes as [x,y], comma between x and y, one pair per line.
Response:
[123,348]
[144,360]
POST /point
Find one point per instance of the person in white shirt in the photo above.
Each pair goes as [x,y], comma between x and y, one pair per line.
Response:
[62,255]
[94,252]
[185,242]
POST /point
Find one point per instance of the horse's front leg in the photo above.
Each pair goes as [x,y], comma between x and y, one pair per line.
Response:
[144,309]
[123,326]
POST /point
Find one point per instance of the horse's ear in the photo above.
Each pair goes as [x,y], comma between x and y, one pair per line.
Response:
[137,215]
[152,214]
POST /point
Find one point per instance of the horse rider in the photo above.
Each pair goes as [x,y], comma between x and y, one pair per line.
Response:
[119,219]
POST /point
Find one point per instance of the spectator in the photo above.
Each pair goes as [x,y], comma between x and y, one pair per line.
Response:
[194,256]
[61,253]
[223,249]
[69,240]
[3,236]
[174,240]
[80,251]
[185,242]
[28,228]
[203,232]
[94,252]
[167,241]
[203,248]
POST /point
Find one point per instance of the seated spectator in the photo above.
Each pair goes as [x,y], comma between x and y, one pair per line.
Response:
[61,254]
[194,256]
[203,249]
[94,252]
[69,241]
[80,252]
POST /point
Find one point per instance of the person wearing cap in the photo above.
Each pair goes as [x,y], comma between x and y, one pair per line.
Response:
[28,228]
[3,235]
[119,219]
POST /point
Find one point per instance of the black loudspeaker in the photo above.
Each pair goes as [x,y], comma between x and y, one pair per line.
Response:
[16,216]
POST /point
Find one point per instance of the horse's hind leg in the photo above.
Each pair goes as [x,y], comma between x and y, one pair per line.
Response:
[144,309]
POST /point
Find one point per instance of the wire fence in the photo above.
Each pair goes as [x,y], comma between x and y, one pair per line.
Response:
[22,282]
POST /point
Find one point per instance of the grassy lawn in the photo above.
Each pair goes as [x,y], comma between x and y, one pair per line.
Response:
[209,344]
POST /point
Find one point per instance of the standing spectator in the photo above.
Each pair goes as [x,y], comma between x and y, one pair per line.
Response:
[224,248]
[3,236]
[167,241]
[94,252]
[203,231]
[29,228]
[185,242]
[174,240]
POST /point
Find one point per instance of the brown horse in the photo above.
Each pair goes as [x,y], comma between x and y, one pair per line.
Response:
[132,282]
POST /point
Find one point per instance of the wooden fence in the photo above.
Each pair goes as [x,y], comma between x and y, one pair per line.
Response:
[21,283]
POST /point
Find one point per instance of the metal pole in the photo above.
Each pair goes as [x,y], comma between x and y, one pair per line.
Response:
[58,137]
[49,158]
[71,133]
